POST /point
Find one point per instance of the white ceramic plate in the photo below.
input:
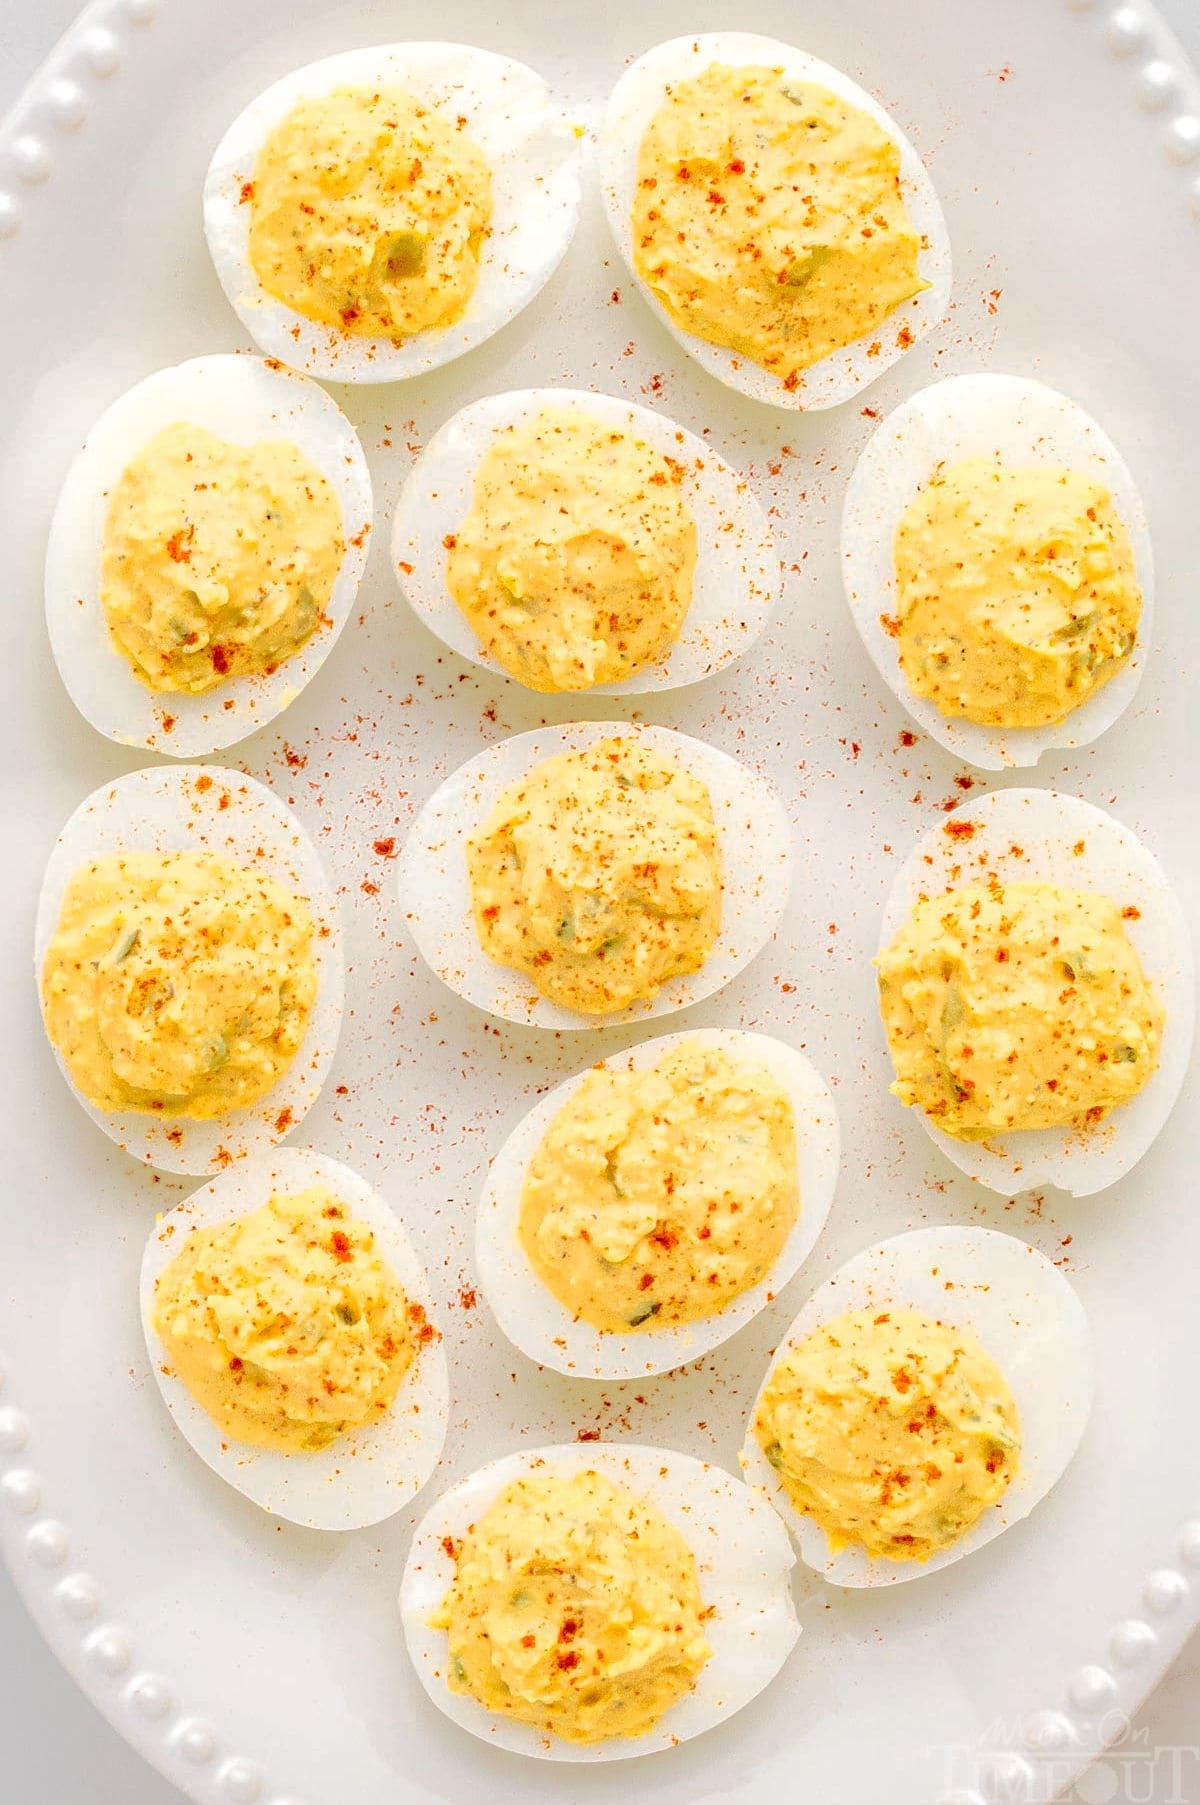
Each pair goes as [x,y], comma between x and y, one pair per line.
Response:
[267,1665]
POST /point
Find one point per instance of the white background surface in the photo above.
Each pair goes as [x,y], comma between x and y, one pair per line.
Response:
[56,1747]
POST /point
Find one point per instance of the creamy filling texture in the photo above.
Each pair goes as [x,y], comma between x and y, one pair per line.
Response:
[575,1607]
[658,1196]
[368,213]
[891,1430]
[287,1325]
[769,218]
[599,876]
[1016,592]
[218,560]
[574,564]
[1017,1006]
[177,983]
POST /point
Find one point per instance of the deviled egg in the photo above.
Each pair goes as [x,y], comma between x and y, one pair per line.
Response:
[998,566]
[925,1398]
[189,961]
[563,940]
[647,1208]
[524,1579]
[582,543]
[775,215]
[374,215]
[205,553]
[338,1420]
[1062,985]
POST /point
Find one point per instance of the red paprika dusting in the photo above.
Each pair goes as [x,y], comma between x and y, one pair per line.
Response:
[180,543]
[422,1327]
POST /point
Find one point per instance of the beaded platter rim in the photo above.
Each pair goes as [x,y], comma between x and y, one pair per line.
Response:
[1024,1763]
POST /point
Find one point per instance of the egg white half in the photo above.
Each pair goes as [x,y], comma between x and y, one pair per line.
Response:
[532,1317]
[368,1473]
[435,895]
[198,808]
[1030,836]
[635,100]
[533,153]
[737,575]
[1013,421]
[743,1559]
[241,399]
[1020,1309]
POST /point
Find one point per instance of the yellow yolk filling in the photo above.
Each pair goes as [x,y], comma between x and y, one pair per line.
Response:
[890,1430]
[599,876]
[1016,1007]
[574,565]
[286,1325]
[218,560]
[575,1607]
[368,211]
[1016,592]
[658,1196]
[177,984]
[769,218]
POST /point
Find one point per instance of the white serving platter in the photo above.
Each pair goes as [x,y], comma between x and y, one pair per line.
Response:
[261,1664]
